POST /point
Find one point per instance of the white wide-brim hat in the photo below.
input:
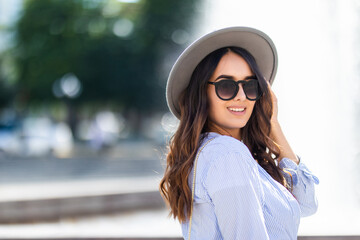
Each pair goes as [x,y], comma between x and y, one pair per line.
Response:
[257,43]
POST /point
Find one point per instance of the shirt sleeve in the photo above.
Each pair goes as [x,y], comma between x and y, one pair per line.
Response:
[233,184]
[303,181]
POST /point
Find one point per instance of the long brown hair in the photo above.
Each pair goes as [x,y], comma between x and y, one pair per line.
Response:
[185,142]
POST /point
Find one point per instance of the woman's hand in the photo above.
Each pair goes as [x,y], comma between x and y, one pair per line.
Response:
[274,117]
[277,134]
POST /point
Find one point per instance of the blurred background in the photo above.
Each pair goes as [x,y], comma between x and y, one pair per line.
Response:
[84,121]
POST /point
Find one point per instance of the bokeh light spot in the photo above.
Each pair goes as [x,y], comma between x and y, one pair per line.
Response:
[123,27]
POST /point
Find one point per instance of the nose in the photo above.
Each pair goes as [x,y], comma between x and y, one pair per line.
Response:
[240,94]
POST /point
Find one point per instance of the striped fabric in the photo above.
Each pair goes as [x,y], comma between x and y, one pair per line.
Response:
[235,198]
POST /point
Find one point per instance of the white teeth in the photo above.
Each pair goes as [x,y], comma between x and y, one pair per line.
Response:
[237,109]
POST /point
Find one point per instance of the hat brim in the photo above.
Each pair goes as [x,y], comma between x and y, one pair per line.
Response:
[254,41]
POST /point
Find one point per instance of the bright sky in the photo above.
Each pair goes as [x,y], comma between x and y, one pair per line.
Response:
[8,10]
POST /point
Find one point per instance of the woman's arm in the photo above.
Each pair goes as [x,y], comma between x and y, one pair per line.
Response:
[277,134]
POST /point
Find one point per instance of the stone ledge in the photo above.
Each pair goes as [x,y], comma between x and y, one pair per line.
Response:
[22,211]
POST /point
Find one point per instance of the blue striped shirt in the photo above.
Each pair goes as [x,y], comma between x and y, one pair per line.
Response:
[235,198]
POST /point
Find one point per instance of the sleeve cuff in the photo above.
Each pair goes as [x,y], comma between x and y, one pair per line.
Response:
[295,170]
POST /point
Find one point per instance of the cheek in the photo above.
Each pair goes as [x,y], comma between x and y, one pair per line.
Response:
[252,107]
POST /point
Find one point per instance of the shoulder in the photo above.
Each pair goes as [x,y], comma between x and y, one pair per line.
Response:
[216,146]
[226,163]
[225,156]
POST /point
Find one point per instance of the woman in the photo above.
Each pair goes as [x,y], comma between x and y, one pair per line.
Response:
[248,184]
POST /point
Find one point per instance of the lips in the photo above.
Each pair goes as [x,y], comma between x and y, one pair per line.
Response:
[237,110]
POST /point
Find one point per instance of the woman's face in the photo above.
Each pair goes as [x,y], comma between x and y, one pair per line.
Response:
[233,114]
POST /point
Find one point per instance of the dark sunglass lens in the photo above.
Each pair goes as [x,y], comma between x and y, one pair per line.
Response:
[251,89]
[226,89]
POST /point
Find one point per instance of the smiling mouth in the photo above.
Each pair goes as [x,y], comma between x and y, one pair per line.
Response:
[237,109]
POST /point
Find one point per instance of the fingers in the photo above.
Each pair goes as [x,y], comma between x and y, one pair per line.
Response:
[273,96]
[274,101]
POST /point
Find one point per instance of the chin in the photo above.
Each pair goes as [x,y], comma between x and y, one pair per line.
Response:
[238,124]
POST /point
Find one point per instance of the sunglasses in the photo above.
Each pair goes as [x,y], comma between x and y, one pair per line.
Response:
[227,89]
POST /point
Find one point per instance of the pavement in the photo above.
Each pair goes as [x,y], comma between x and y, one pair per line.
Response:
[127,159]
[90,182]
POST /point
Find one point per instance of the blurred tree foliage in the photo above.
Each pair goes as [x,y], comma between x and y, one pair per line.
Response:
[7,91]
[114,49]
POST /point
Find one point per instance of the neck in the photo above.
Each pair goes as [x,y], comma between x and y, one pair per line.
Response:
[235,133]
